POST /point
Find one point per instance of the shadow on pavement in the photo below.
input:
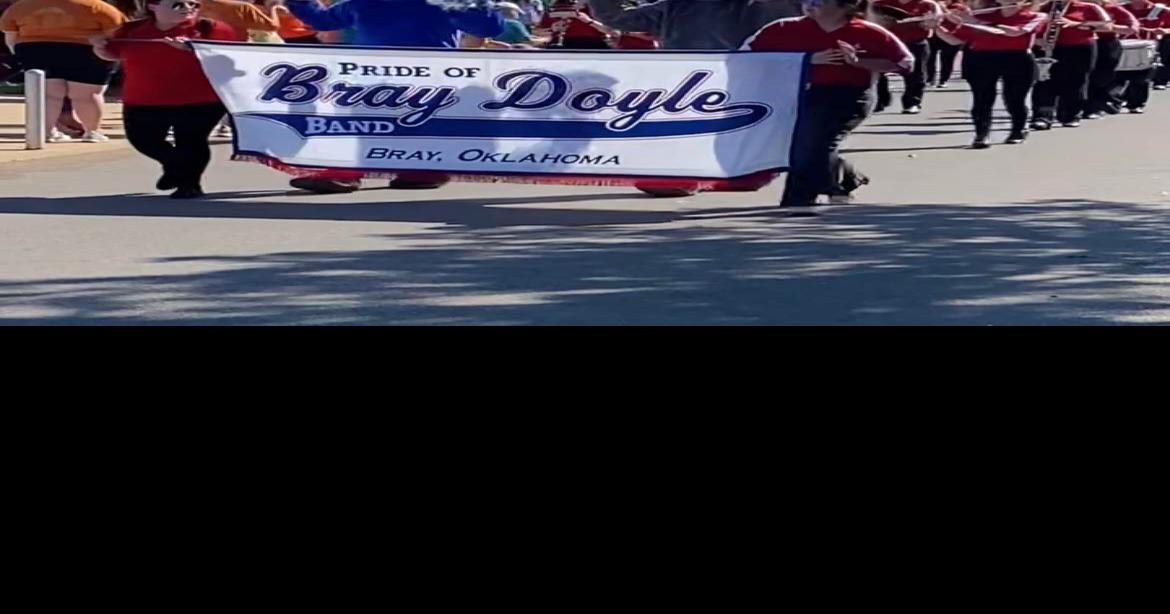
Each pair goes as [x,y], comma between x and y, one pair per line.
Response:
[1061,261]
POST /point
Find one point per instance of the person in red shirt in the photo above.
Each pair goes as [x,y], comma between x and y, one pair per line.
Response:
[1101,99]
[941,61]
[1063,96]
[847,54]
[573,26]
[999,48]
[1154,22]
[164,89]
[915,36]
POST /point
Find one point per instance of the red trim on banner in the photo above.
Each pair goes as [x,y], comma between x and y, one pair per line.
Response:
[760,177]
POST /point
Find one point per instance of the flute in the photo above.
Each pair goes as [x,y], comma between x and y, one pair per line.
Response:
[975,12]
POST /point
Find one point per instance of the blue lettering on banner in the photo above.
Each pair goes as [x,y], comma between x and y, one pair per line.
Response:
[523,90]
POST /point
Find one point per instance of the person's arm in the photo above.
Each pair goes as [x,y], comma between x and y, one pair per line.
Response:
[335,17]
[241,15]
[8,25]
[484,23]
[645,18]
[10,40]
[108,17]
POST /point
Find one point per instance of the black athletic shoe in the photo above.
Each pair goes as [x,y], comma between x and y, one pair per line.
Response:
[1112,109]
[1138,110]
[166,182]
[1094,115]
[1076,123]
[188,193]
[325,186]
[981,142]
[1016,138]
[1041,124]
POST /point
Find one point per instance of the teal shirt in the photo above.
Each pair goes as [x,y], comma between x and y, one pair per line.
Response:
[514,33]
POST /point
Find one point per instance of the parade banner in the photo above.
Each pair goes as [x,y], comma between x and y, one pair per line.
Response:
[596,116]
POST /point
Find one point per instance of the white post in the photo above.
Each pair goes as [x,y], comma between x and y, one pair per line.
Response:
[34,109]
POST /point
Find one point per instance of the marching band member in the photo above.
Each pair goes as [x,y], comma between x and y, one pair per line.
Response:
[915,36]
[391,23]
[999,48]
[1108,57]
[573,26]
[847,55]
[1063,96]
[697,24]
[1154,20]
[940,64]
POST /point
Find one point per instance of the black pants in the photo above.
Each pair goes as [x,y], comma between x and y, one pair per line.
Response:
[943,54]
[1162,73]
[915,81]
[983,70]
[1104,74]
[1132,87]
[827,116]
[185,161]
[1063,96]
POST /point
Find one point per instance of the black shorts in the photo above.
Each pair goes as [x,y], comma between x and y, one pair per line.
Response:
[69,61]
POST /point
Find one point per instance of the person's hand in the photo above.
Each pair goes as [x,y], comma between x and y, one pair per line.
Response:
[1065,22]
[828,57]
[963,12]
[178,43]
[849,52]
[953,17]
[273,3]
[932,22]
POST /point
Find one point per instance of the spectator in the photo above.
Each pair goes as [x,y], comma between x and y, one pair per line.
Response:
[515,33]
[165,89]
[53,36]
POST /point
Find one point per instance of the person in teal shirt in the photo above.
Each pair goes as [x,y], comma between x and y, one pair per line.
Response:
[515,32]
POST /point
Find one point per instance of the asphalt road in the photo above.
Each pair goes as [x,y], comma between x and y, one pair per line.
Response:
[1071,228]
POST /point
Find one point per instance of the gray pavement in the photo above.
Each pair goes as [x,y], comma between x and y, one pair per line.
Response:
[1071,228]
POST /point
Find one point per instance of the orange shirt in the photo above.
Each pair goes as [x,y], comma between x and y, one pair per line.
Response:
[291,27]
[240,16]
[60,21]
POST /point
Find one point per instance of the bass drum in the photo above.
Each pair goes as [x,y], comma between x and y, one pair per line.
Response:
[1138,55]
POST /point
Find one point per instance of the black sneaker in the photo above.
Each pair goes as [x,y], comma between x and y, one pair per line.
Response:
[1094,115]
[1138,110]
[166,182]
[1041,124]
[1016,138]
[188,193]
[981,142]
[325,186]
[1076,123]
[1112,109]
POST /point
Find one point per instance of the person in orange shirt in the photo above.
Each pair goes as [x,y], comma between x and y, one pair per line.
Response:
[241,16]
[53,36]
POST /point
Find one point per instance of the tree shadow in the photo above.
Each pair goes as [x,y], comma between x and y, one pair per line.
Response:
[1058,261]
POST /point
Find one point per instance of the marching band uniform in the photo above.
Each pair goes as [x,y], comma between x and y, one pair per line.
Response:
[1151,19]
[839,98]
[1063,96]
[993,55]
[1108,57]
[940,64]
[914,35]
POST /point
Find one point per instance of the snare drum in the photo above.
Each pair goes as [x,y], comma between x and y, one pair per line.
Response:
[1137,55]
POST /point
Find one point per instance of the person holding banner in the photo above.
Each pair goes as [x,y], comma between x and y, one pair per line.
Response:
[697,24]
[165,89]
[999,49]
[847,55]
[394,23]
[571,26]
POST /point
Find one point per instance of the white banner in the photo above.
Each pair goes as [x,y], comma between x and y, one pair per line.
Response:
[522,113]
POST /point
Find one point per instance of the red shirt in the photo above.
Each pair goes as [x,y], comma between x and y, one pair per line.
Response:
[1079,11]
[983,41]
[157,74]
[575,28]
[636,40]
[910,32]
[1120,17]
[1161,20]
[804,34]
